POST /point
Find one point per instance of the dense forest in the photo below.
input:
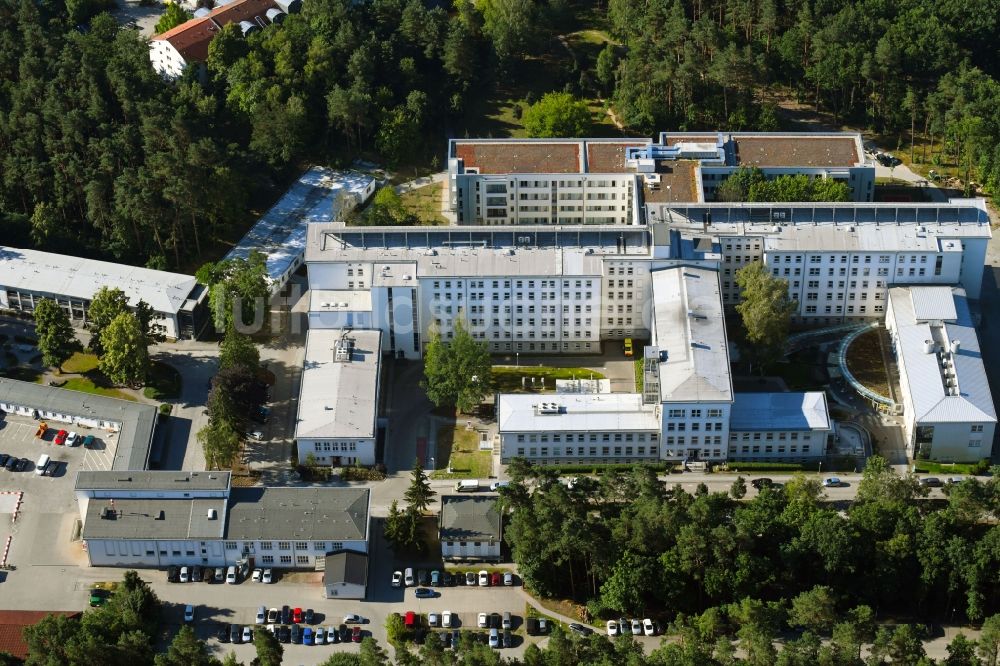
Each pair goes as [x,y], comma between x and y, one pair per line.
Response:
[99,156]
[627,545]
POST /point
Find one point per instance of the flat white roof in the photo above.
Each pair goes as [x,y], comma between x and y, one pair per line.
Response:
[779,411]
[946,385]
[78,278]
[339,398]
[689,330]
[282,232]
[522,412]
[340,300]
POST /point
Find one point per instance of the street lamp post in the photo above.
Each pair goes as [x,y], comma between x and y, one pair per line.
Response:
[517,359]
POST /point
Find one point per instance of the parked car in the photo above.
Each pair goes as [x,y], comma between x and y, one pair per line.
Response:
[627,347]
[307,636]
[356,635]
[297,634]
[495,620]
[71,439]
[286,615]
[508,639]
[353,618]
[508,578]
[345,633]
[332,635]
[185,575]
[507,620]
[231,575]
[309,616]
[297,615]
[189,613]
[931,482]
[273,615]
[424,593]
[247,634]
[266,577]
[61,437]
[261,615]
[832,482]
[255,576]
[423,578]
[88,442]
[235,633]
[762,482]
[223,633]
[173,574]
[580,629]
[220,574]
[494,638]
[648,627]
[4,457]
[483,620]
[497,485]
[448,580]
[636,628]
[447,618]
[408,577]
[612,628]
[23,464]
[484,578]
[436,578]
[433,619]
[495,579]
[11,464]
[470,578]
[531,626]
[397,578]
[195,574]
[319,636]
[284,633]
[954,480]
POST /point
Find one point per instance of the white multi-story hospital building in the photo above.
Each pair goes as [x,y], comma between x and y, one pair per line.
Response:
[620,242]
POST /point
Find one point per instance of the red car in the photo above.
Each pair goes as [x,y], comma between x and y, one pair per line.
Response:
[297,616]
[495,579]
[356,635]
[61,437]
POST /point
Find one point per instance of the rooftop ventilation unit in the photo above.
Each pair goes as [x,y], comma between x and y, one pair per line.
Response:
[342,352]
[548,408]
[212,514]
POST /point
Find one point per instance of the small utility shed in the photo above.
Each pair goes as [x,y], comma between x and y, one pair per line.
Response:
[469,527]
[345,574]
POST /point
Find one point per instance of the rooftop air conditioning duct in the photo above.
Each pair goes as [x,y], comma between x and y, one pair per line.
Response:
[928,346]
[248,28]
[275,15]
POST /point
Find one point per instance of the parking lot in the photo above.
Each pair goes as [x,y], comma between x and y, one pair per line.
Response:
[17,438]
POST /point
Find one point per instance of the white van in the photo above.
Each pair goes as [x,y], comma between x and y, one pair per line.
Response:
[42,463]
[231,575]
[467,486]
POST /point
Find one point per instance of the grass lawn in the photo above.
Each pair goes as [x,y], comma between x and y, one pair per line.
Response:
[864,360]
[928,467]
[458,450]
[507,378]
[79,363]
[425,203]
[86,385]
[637,368]
[164,382]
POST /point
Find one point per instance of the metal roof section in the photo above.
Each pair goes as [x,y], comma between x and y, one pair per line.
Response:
[346,566]
[152,480]
[779,411]
[583,412]
[319,195]
[402,255]
[938,351]
[306,514]
[469,518]
[136,421]
[79,278]
[180,519]
[690,334]
[338,396]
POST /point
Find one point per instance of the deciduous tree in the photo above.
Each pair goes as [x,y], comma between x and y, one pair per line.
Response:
[56,339]
[766,310]
[107,303]
[557,114]
[125,360]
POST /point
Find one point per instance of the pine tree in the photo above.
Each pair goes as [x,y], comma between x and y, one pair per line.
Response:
[419,495]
